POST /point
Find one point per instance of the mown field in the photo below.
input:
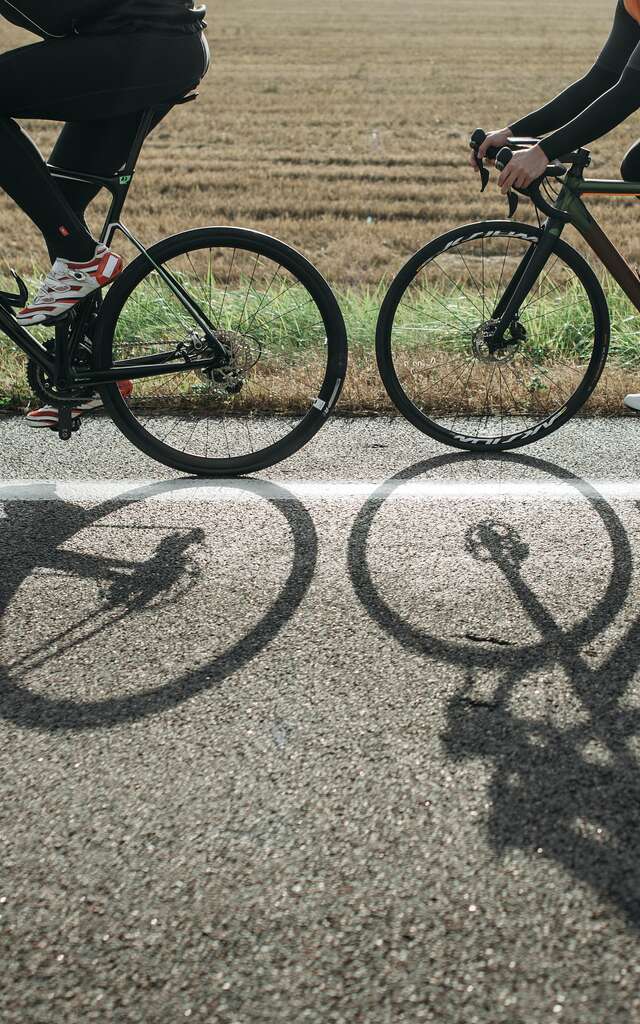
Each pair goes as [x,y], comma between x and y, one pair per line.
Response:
[342,127]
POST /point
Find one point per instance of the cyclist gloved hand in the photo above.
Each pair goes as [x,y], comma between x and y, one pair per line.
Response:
[496,139]
[523,168]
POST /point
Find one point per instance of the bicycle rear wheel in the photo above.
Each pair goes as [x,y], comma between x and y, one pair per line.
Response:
[433,340]
[276,317]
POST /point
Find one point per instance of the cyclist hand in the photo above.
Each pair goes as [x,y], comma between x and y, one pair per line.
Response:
[523,168]
[496,139]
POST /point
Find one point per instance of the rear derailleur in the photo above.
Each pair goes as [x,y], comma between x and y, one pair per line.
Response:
[228,373]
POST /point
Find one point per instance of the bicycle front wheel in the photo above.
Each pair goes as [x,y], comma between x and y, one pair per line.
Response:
[277,320]
[434,338]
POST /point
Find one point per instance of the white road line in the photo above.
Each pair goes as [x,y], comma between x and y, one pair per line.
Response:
[242,491]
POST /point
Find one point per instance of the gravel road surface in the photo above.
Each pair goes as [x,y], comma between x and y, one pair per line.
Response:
[356,741]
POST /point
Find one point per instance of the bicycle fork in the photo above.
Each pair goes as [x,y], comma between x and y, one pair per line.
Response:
[523,280]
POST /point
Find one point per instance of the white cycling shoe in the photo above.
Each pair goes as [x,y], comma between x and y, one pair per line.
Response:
[632,402]
[47,415]
[67,282]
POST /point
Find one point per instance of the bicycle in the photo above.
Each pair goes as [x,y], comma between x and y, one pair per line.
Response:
[234,342]
[496,333]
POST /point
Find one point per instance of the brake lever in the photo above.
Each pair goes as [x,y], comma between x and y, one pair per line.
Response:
[532,192]
[513,201]
[484,173]
[475,142]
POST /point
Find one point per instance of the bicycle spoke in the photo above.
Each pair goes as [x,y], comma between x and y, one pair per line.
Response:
[454,372]
[274,338]
[456,285]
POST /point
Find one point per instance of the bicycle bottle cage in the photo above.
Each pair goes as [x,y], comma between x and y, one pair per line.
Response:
[19,300]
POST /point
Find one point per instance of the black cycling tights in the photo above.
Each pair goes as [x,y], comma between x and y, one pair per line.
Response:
[630,167]
[99,85]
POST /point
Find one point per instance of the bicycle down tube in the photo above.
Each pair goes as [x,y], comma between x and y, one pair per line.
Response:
[569,201]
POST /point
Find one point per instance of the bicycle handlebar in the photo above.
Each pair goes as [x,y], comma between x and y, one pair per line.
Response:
[503,154]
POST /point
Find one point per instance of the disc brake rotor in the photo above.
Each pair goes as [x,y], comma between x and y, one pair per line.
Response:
[482,347]
[243,354]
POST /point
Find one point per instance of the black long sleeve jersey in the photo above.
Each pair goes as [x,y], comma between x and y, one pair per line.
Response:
[103,17]
[602,99]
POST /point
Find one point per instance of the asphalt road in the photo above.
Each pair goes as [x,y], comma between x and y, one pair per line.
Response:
[360,743]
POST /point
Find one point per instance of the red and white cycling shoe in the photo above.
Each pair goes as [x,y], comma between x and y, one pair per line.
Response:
[67,282]
[47,415]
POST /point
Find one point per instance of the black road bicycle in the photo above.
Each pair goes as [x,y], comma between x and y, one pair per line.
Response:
[495,334]
[234,342]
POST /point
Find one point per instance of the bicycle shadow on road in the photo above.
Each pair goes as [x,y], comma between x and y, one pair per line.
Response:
[565,790]
[33,535]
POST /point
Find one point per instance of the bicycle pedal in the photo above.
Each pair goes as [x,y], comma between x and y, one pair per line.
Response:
[52,321]
[64,433]
[67,424]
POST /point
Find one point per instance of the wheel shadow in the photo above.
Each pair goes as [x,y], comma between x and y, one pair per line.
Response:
[33,539]
[566,791]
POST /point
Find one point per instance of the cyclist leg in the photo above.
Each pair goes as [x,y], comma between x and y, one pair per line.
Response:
[91,141]
[95,147]
[84,78]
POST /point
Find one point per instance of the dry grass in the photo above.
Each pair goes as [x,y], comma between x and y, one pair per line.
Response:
[342,128]
[316,118]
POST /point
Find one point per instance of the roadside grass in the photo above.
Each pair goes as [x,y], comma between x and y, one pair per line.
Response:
[288,372]
[345,133]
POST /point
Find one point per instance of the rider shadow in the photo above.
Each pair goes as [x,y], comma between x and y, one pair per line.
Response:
[33,535]
[567,791]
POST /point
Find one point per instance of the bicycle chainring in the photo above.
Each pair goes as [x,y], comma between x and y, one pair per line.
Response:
[42,387]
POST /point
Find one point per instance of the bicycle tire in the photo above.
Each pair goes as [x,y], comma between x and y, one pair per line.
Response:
[408,273]
[257,243]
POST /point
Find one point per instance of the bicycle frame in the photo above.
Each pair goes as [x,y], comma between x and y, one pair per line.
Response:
[569,201]
[570,209]
[59,366]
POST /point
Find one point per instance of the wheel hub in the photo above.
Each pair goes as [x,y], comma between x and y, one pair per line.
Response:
[488,350]
[243,354]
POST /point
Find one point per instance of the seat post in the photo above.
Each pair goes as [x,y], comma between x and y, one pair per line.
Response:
[121,181]
[138,142]
[125,174]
